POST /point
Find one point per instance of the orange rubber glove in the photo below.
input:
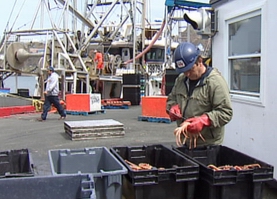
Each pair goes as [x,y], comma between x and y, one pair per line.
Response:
[175,113]
[198,123]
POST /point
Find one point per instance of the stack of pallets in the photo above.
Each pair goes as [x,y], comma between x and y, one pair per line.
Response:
[93,129]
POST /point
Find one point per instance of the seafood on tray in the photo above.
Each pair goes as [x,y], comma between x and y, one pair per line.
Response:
[182,131]
[236,167]
[141,166]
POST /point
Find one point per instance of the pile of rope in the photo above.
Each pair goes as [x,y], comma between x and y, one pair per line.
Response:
[38,104]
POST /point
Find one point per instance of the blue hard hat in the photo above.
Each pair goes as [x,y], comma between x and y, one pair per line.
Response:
[185,56]
[51,68]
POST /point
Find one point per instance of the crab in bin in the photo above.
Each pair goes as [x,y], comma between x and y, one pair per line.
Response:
[236,167]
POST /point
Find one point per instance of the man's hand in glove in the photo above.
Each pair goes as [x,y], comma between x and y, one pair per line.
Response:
[175,113]
[198,123]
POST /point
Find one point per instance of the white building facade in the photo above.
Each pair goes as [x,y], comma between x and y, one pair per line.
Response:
[244,50]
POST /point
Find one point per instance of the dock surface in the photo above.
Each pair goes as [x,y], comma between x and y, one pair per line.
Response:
[24,131]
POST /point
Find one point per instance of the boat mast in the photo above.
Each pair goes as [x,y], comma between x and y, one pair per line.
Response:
[144,17]
[134,8]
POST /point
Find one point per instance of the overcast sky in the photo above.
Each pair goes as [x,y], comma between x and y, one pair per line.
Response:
[21,15]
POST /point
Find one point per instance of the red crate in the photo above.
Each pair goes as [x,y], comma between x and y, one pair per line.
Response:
[154,106]
[83,102]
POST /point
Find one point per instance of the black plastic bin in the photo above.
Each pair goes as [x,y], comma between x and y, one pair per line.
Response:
[170,76]
[46,187]
[175,181]
[227,184]
[16,163]
[131,79]
[132,94]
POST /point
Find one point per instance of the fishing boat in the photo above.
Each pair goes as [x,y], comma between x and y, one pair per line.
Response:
[133,45]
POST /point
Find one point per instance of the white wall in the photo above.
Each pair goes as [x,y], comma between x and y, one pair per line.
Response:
[253,127]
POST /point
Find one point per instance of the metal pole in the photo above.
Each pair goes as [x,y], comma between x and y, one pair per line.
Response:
[85,14]
[74,19]
[188,32]
[66,16]
[87,83]
[35,16]
[144,7]
[42,17]
[134,32]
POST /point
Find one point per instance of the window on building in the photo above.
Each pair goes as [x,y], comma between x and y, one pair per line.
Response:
[244,54]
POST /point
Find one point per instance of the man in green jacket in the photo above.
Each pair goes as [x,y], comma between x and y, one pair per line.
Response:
[199,101]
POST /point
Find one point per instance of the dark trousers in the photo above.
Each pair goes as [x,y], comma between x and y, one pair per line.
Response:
[47,105]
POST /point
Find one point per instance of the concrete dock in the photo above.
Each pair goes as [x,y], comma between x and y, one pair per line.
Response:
[24,131]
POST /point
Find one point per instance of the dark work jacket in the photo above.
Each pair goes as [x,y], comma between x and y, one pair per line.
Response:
[210,96]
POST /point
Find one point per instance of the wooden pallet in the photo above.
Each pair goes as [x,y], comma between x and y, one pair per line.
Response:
[116,107]
[115,102]
[85,113]
[154,119]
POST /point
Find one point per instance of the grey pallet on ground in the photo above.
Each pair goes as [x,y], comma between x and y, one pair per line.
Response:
[92,129]
[116,107]
[154,119]
[85,113]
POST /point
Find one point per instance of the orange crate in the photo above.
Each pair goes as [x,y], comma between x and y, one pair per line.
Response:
[154,106]
[83,102]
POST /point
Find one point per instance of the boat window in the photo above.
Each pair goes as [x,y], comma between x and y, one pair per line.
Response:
[244,55]
[156,55]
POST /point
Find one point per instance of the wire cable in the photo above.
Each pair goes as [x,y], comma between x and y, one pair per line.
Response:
[17,15]
[11,14]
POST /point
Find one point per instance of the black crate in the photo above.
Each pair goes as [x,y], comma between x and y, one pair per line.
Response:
[168,89]
[23,92]
[170,76]
[16,163]
[132,94]
[175,181]
[227,184]
[131,79]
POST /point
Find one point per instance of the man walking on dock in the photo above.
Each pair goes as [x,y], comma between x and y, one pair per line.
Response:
[51,95]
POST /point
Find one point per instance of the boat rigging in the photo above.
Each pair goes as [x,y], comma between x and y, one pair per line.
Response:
[131,45]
